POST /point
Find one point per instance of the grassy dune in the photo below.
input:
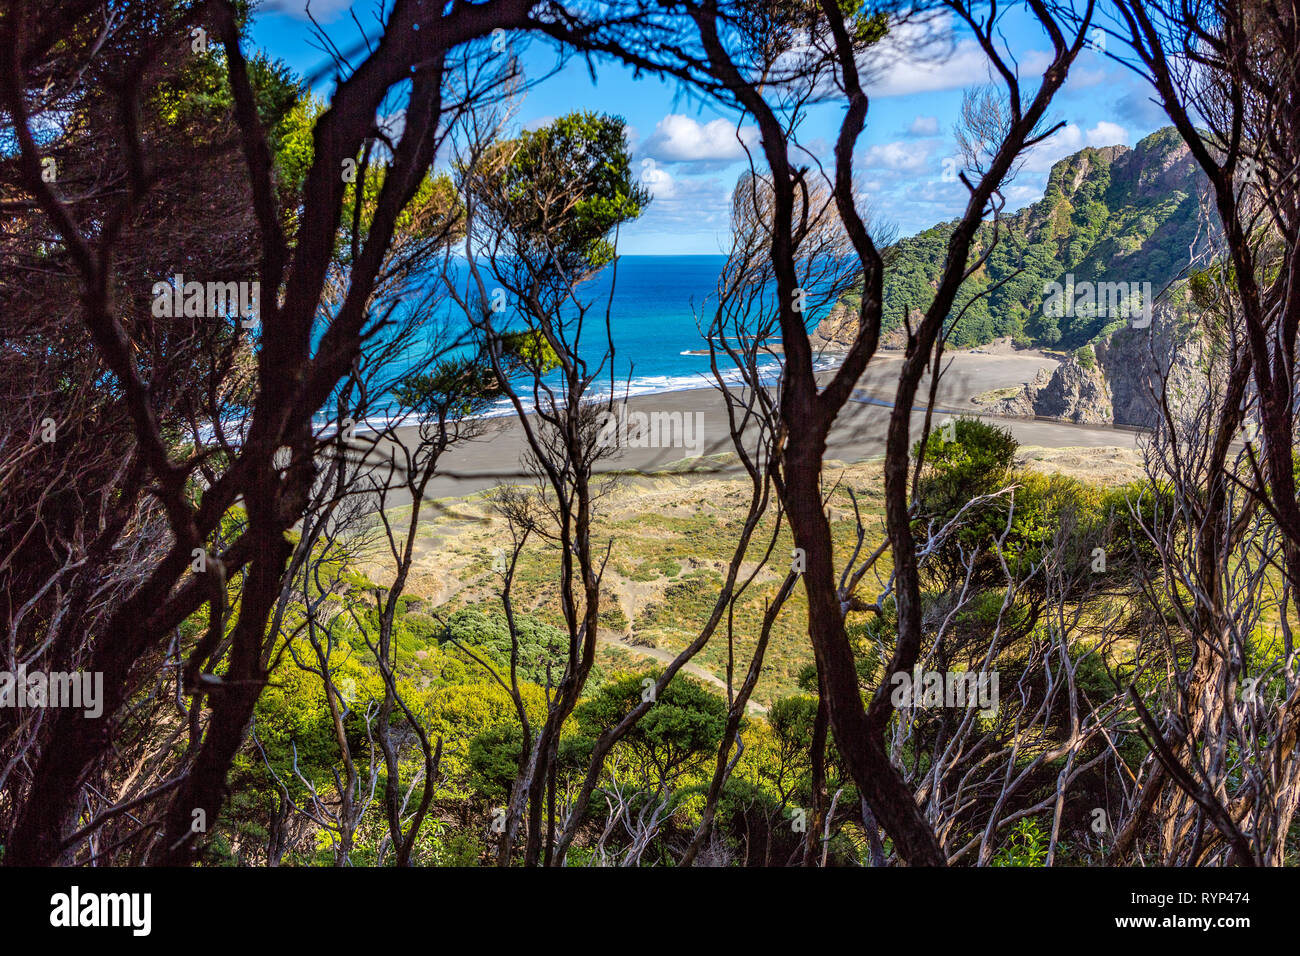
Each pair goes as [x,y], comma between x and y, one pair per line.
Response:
[672,536]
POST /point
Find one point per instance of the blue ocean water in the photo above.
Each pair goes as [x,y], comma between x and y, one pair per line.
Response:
[657,304]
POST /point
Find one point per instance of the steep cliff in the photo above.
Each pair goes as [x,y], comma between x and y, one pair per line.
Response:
[836,332]
[1073,392]
[1119,379]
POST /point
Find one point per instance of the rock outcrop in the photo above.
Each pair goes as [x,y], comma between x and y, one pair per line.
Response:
[1072,392]
[1123,383]
[837,331]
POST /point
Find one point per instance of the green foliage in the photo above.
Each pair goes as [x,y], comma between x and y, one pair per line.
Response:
[461,712]
[787,761]
[1026,846]
[683,726]
[867,29]
[584,158]
[434,215]
[540,646]
[457,848]
[1101,219]
[466,386]
[529,349]
[453,388]
[980,461]
[494,760]
[975,462]
[200,94]
[791,720]
[297,148]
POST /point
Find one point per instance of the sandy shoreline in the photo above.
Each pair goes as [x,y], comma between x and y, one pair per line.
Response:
[495,457]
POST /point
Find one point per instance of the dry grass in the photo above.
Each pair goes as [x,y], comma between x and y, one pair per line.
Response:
[670,539]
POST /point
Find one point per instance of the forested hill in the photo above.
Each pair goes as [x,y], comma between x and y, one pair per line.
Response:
[1112,214]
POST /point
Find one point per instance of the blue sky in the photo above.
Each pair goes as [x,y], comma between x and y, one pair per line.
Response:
[686,151]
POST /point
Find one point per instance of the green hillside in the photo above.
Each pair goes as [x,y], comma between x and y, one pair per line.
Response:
[1109,214]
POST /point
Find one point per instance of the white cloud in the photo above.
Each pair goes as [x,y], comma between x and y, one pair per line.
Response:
[928,54]
[1070,139]
[899,74]
[1035,61]
[923,56]
[924,126]
[1081,78]
[684,204]
[1107,134]
[1083,73]
[915,204]
[680,139]
[901,157]
[659,181]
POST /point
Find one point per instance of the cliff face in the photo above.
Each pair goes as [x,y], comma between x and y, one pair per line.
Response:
[1137,361]
[837,331]
[1072,392]
[1123,384]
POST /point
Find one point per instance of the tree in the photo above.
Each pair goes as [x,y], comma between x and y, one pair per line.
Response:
[541,209]
[756,66]
[1226,75]
[667,741]
[56,58]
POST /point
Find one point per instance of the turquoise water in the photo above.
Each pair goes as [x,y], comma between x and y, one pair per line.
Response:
[653,322]
[654,318]
[657,303]
[654,315]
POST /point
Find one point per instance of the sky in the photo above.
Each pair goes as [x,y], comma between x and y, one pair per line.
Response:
[685,149]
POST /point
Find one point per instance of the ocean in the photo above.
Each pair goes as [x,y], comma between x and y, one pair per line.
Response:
[657,303]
